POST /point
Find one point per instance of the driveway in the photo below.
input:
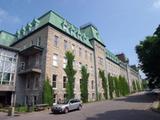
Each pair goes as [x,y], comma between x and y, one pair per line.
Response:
[134,107]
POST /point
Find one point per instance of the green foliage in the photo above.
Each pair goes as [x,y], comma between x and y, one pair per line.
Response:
[134,86]
[47,93]
[84,84]
[138,85]
[149,58]
[124,87]
[144,84]
[111,86]
[21,109]
[70,72]
[117,86]
[104,83]
[99,96]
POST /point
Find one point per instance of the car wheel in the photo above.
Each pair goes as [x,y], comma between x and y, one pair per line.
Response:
[66,110]
[79,107]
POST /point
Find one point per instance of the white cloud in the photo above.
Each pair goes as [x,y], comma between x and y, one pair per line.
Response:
[156,4]
[6,17]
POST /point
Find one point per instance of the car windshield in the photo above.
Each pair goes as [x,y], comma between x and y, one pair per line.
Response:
[63,102]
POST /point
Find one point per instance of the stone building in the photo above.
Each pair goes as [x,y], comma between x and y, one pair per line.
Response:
[42,45]
[8,68]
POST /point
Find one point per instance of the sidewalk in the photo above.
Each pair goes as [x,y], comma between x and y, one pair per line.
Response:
[3,116]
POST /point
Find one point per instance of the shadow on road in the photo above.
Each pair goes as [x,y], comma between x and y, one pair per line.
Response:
[139,98]
[126,115]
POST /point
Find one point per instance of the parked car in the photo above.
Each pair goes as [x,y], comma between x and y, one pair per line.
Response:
[66,106]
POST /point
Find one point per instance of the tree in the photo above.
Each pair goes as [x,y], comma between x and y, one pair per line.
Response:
[70,72]
[138,85]
[104,83]
[144,84]
[124,87]
[47,93]
[117,86]
[134,86]
[84,84]
[149,58]
[111,87]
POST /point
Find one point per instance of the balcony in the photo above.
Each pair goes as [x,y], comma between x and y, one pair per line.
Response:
[30,58]
[31,50]
[29,69]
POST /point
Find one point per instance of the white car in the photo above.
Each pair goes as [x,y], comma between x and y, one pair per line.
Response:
[66,106]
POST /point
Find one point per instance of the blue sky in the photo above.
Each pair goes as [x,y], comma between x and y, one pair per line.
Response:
[122,23]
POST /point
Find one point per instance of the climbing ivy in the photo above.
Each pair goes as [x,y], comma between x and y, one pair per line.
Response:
[84,84]
[104,83]
[70,72]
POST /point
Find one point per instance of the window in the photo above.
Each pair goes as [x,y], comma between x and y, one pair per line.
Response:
[92,70]
[92,84]
[91,57]
[6,78]
[54,98]
[1,65]
[64,81]
[86,54]
[65,45]
[73,49]
[28,83]
[31,43]
[54,78]
[64,62]
[80,52]
[38,41]
[35,100]
[37,56]
[55,40]
[22,66]
[93,96]
[26,100]
[80,80]
[36,81]
[0,76]
[80,65]
[65,96]
[100,60]
[55,60]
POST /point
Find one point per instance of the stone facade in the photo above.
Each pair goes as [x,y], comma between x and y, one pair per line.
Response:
[42,45]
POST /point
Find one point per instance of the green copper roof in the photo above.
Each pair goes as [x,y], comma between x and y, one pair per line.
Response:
[92,32]
[112,57]
[59,22]
[6,38]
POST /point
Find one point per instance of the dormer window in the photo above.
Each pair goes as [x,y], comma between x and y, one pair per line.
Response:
[18,34]
[97,35]
[72,30]
[65,26]
[23,31]
[78,34]
[38,41]
[35,24]
[28,28]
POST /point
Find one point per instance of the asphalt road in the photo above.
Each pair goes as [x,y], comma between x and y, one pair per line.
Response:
[134,107]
